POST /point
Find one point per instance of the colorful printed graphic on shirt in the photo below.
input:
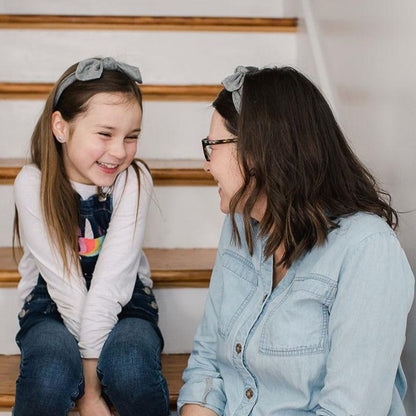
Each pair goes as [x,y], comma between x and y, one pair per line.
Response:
[90,247]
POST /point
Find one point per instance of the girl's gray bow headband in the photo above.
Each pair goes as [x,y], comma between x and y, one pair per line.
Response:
[90,69]
[234,83]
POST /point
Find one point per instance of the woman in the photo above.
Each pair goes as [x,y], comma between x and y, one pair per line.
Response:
[307,306]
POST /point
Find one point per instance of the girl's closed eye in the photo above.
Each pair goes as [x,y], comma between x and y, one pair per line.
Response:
[105,134]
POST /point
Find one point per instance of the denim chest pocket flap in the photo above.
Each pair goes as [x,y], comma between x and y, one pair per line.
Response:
[297,321]
[239,281]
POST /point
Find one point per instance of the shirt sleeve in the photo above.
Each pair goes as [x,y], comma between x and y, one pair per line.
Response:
[118,263]
[367,327]
[203,382]
[67,290]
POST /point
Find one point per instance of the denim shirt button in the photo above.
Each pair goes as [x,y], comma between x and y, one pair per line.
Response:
[153,304]
[238,348]
[147,290]
[22,313]
[249,393]
[29,298]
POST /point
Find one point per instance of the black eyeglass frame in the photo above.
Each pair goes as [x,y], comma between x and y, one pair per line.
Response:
[206,142]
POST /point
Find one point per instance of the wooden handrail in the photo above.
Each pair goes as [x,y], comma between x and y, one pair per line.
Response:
[39,91]
[178,23]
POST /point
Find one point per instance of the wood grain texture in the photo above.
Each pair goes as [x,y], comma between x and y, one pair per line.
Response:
[172,368]
[40,91]
[169,267]
[176,23]
[168,172]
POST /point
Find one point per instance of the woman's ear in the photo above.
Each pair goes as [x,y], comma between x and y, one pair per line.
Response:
[60,127]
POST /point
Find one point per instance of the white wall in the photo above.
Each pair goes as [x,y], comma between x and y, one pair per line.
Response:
[369,54]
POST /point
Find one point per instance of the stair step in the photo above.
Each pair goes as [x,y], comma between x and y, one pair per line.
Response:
[164,172]
[172,367]
[179,23]
[189,268]
[39,91]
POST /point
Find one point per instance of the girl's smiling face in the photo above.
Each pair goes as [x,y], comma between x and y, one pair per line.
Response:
[101,142]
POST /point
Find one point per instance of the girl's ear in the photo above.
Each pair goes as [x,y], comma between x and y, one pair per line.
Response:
[60,127]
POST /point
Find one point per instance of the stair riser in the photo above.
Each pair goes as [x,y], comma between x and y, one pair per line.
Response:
[180,312]
[247,8]
[187,217]
[163,57]
[170,130]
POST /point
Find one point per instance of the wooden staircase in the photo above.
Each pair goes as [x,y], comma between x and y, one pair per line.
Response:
[172,367]
[180,272]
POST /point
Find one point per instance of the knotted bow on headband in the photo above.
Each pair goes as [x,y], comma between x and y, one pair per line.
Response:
[234,83]
[90,69]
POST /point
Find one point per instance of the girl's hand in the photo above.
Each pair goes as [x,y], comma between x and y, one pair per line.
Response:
[93,407]
[92,403]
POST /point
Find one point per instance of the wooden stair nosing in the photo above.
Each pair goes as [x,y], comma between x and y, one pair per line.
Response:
[39,91]
[160,23]
[164,173]
[172,368]
[172,268]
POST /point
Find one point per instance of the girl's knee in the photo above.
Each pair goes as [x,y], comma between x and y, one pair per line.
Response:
[48,389]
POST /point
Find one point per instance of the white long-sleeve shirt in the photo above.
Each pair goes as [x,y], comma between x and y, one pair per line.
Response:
[88,315]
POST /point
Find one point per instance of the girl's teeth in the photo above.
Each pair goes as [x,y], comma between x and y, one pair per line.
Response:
[107,165]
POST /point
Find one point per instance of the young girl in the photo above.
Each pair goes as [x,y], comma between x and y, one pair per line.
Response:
[307,306]
[88,327]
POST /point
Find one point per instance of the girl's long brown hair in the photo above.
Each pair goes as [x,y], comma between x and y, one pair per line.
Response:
[58,199]
[290,141]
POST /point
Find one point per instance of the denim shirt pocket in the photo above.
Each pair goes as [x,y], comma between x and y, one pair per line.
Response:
[239,284]
[297,324]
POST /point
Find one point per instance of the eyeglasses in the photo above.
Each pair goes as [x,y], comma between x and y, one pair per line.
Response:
[206,145]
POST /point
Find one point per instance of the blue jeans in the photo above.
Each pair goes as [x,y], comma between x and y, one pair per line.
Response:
[51,377]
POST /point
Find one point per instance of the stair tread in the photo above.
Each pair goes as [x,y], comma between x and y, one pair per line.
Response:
[179,23]
[150,92]
[169,267]
[172,367]
[164,171]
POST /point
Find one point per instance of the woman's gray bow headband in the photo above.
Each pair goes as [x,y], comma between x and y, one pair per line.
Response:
[91,69]
[234,83]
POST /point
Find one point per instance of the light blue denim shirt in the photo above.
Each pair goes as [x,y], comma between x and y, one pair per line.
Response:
[326,341]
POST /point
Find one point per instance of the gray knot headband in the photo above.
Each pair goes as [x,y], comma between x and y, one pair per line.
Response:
[91,69]
[234,83]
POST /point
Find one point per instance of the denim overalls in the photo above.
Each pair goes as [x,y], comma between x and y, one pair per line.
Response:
[145,387]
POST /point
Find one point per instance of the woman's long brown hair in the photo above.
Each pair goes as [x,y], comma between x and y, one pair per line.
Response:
[58,199]
[291,150]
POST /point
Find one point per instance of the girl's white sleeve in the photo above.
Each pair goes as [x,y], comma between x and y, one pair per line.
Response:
[118,263]
[67,291]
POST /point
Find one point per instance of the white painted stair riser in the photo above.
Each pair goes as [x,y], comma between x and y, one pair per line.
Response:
[164,57]
[180,311]
[170,129]
[248,8]
[179,216]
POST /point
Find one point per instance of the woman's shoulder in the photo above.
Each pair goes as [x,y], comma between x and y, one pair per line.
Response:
[353,229]
[356,234]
